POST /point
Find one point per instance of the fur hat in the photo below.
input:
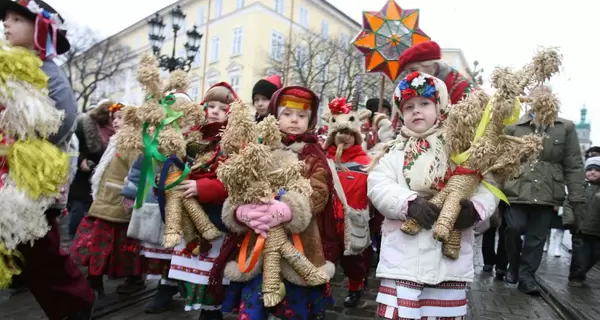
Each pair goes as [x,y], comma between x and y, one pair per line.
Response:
[592,163]
[266,87]
[46,19]
[341,118]
[418,84]
[424,51]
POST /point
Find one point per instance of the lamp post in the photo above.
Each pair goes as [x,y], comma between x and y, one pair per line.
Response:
[171,63]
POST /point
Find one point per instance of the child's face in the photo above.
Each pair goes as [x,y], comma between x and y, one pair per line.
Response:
[117,122]
[261,103]
[592,175]
[216,111]
[419,114]
[18,30]
[294,121]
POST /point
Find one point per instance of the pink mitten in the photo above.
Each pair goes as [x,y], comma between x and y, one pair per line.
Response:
[243,212]
[279,212]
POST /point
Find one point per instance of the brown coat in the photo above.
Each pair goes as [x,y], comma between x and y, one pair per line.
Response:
[108,203]
[304,222]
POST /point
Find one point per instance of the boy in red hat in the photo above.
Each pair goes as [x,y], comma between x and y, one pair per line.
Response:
[261,95]
[426,57]
[54,280]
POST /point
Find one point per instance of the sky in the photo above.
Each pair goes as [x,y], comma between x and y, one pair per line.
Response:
[496,33]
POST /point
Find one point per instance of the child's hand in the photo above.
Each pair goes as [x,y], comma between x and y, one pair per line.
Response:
[128,205]
[188,187]
[423,212]
[84,166]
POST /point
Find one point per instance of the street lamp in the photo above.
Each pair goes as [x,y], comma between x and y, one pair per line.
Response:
[156,37]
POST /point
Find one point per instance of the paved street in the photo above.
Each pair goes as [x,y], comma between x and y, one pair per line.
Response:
[488,299]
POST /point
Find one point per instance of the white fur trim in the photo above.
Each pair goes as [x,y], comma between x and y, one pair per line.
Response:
[107,157]
[22,219]
[301,214]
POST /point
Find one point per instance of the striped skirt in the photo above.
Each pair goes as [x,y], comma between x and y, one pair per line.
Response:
[400,300]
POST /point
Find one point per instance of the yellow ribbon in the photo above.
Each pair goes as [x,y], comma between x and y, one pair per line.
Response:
[485,121]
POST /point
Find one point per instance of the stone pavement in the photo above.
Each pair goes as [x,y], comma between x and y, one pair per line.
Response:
[488,299]
[575,303]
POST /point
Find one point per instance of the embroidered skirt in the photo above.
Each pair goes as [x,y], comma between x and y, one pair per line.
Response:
[400,300]
[245,298]
[104,247]
[157,260]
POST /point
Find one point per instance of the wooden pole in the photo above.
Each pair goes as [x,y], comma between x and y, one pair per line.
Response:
[202,92]
[289,50]
[381,92]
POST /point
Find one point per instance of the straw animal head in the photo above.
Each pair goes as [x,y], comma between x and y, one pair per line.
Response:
[342,119]
[241,129]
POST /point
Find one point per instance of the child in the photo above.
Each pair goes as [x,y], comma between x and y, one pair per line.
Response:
[210,193]
[296,109]
[418,281]
[261,95]
[101,241]
[586,242]
[53,278]
[156,258]
[351,169]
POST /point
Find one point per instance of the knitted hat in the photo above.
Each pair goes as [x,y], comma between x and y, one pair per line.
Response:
[342,119]
[592,163]
[594,149]
[266,87]
[50,30]
[295,97]
[424,51]
[373,105]
[418,84]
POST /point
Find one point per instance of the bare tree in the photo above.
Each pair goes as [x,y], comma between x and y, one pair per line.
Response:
[476,73]
[92,62]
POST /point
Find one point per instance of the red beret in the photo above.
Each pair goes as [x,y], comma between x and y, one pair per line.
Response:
[424,51]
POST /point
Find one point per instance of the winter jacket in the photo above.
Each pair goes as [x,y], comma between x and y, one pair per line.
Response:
[559,163]
[353,181]
[107,182]
[91,148]
[419,257]
[130,188]
[590,221]
[304,222]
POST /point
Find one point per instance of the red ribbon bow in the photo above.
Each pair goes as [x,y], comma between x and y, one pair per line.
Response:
[42,26]
[340,106]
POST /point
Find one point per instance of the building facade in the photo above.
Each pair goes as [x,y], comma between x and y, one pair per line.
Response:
[239,36]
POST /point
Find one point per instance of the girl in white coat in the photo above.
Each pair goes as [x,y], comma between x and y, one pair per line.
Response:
[418,281]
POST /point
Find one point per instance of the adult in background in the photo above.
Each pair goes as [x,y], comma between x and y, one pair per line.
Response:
[94,130]
[426,57]
[534,195]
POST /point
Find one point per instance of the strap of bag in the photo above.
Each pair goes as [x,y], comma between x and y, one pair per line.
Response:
[337,185]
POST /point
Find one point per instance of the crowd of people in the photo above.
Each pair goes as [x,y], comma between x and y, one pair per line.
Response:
[370,171]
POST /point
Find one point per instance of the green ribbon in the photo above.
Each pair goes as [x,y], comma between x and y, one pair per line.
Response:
[151,153]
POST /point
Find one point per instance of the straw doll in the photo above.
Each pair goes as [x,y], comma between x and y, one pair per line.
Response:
[474,131]
[32,169]
[159,120]
[254,174]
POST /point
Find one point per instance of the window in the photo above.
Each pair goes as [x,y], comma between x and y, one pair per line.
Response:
[211,81]
[214,52]
[239,4]
[324,29]
[194,88]
[218,8]
[198,58]
[322,67]
[138,42]
[238,35]
[234,81]
[304,17]
[200,17]
[344,40]
[301,56]
[279,6]
[276,50]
